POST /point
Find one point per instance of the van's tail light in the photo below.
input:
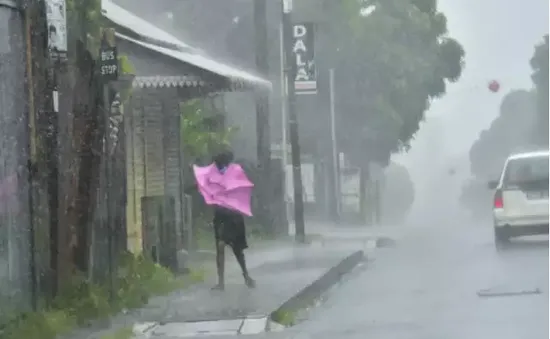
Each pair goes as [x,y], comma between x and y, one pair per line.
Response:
[497,201]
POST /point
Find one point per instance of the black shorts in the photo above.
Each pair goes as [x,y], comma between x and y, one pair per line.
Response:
[229,228]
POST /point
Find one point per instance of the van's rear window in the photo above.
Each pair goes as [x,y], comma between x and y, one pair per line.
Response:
[527,170]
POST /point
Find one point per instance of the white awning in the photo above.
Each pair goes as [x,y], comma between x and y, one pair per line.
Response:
[160,41]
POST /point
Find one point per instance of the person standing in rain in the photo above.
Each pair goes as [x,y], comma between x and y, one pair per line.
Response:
[229,229]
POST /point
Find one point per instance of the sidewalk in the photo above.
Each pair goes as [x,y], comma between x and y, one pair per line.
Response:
[325,232]
[281,273]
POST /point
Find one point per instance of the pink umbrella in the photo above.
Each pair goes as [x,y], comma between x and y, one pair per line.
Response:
[231,189]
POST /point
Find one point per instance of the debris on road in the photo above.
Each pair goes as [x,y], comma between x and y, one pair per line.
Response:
[488,293]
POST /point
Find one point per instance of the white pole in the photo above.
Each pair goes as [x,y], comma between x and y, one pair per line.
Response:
[284,119]
[287,6]
[337,191]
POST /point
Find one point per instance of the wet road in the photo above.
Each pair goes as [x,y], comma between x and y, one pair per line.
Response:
[426,287]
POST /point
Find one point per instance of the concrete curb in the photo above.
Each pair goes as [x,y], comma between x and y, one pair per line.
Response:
[317,288]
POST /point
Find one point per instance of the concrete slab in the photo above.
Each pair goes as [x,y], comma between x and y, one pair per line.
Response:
[275,327]
[191,329]
[254,326]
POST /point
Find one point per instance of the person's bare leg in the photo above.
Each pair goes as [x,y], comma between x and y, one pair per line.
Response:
[239,255]
[220,265]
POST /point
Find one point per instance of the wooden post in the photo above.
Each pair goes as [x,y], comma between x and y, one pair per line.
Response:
[109,72]
[262,116]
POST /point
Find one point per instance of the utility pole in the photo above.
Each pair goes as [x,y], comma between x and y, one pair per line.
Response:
[334,146]
[262,112]
[293,122]
[284,120]
[29,13]
[109,73]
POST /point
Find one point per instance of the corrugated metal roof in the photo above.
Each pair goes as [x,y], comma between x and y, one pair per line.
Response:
[162,42]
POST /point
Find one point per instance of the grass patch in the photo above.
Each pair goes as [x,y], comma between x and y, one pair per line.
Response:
[288,317]
[80,302]
[123,333]
[285,318]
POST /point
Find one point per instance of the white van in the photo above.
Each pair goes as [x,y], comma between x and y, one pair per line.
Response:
[520,204]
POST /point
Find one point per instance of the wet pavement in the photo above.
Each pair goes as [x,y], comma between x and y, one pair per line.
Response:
[427,287]
[438,281]
[277,280]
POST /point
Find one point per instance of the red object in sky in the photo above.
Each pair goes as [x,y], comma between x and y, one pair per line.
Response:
[494,86]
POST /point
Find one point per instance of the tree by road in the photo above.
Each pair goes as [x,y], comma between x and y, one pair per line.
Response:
[539,64]
[392,63]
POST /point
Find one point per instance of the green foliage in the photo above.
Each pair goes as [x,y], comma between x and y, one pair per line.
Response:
[44,325]
[85,21]
[126,66]
[539,64]
[82,301]
[285,318]
[202,130]
[392,62]
[288,316]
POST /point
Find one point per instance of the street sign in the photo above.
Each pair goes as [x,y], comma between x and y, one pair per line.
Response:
[287,6]
[56,20]
[305,81]
[108,56]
